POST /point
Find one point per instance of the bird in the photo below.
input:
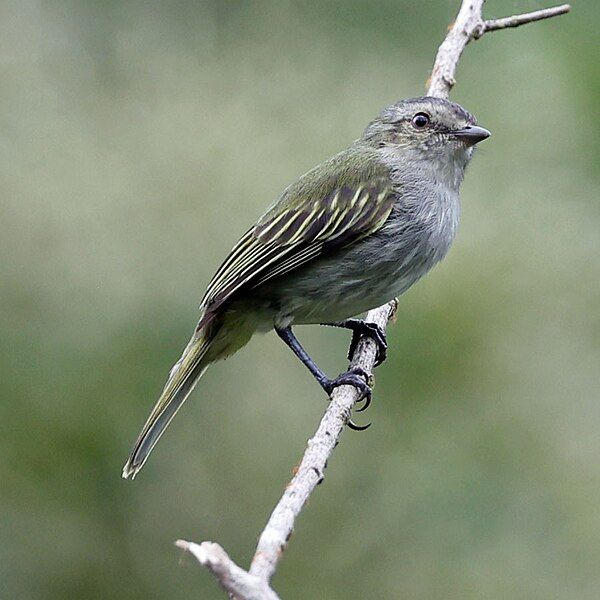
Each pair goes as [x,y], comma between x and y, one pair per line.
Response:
[349,235]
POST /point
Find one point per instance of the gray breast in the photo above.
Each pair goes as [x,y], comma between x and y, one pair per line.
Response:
[374,270]
[417,235]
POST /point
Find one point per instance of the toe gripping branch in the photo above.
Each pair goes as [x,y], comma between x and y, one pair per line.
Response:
[356,376]
[361,328]
[370,330]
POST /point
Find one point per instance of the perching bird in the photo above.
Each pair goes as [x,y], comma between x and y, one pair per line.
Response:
[351,234]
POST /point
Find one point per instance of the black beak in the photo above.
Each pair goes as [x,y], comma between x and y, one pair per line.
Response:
[472,134]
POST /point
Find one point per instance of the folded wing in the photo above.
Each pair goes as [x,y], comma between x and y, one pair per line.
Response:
[309,219]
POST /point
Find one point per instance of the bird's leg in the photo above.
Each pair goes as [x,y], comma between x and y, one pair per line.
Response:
[354,378]
[360,327]
[350,377]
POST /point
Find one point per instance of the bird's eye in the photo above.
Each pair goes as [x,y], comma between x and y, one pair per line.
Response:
[421,120]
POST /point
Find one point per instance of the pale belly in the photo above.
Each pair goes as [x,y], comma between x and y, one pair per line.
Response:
[366,274]
[362,277]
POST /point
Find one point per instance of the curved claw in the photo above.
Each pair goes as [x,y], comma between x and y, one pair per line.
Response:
[358,378]
[375,333]
[350,378]
[367,400]
[356,427]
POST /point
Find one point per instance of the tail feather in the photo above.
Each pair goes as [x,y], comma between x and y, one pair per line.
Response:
[182,379]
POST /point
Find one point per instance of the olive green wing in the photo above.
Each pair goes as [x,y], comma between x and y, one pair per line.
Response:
[313,216]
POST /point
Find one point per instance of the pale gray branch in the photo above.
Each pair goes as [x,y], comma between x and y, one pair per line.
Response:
[311,470]
[232,578]
[461,32]
[516,20]
[469,25]
[254,584]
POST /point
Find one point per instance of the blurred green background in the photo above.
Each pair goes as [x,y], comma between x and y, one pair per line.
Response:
[137,141]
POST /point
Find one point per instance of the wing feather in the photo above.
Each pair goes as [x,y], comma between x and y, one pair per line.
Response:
[301,257]
[299,228]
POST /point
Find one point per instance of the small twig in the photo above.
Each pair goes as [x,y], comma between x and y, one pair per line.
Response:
[469,25]
[516,20]
[254,584]
[459,35]
[232,578]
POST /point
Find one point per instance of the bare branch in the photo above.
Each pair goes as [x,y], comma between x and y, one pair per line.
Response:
[468,20]
[273,540]
[311,470]
[516,20]
[254,584]
[469,25]
[233,580]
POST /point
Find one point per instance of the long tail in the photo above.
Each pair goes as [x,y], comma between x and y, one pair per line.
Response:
[182,379]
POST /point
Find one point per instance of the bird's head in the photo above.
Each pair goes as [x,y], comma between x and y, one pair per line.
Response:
[431,129]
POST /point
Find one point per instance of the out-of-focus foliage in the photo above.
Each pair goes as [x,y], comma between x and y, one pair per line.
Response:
[137,141]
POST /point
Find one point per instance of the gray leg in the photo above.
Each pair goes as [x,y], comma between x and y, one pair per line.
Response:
[350,378]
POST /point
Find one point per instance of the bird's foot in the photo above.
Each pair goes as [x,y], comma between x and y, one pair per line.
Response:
[360,327]
[360,379]
[371,330]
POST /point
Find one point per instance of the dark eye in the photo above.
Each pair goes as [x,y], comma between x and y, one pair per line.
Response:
[421,120]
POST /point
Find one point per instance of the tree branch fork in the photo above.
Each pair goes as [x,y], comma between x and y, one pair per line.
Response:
[254,584]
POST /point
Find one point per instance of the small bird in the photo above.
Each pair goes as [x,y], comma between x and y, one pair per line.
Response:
[351,234]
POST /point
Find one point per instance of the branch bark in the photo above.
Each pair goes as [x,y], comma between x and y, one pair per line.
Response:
[233,579]
[254,584]
[311,470]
